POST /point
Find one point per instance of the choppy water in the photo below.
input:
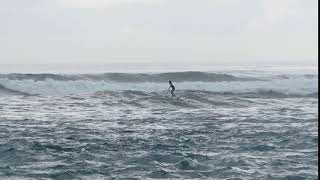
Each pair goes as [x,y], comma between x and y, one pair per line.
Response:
[231,126]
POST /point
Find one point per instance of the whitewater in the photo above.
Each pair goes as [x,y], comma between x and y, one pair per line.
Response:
[239,123]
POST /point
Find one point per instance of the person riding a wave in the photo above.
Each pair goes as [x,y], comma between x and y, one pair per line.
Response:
[172,89]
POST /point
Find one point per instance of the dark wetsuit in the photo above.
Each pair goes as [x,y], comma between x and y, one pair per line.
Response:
[172,89]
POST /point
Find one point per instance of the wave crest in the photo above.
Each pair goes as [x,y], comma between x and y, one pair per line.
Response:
[189,76]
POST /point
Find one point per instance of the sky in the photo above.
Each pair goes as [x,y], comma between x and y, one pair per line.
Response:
[158,31]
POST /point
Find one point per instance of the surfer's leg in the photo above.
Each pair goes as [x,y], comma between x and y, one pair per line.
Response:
[172,94]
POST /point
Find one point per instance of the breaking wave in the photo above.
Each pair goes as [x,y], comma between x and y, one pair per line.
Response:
[51,84]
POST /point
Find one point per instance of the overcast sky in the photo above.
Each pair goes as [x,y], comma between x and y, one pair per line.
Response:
[188,31]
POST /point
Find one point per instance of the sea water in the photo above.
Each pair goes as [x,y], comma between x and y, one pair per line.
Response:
[239,123]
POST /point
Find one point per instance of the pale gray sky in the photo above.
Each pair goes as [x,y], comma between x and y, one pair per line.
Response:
[109,31]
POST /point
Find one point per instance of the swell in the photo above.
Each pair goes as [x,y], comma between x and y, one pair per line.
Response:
[190,76]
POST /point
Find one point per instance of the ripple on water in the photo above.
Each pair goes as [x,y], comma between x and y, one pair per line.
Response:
[265,136]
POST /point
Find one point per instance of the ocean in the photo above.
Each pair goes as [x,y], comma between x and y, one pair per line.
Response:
[231,123]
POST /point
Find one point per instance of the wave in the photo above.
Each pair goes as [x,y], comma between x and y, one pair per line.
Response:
[190,76]
[50,84]
[7,91]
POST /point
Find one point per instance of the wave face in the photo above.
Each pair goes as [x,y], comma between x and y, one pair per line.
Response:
[55,84]
[7,91]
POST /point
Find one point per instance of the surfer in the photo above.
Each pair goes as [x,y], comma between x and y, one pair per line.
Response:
[172,89]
